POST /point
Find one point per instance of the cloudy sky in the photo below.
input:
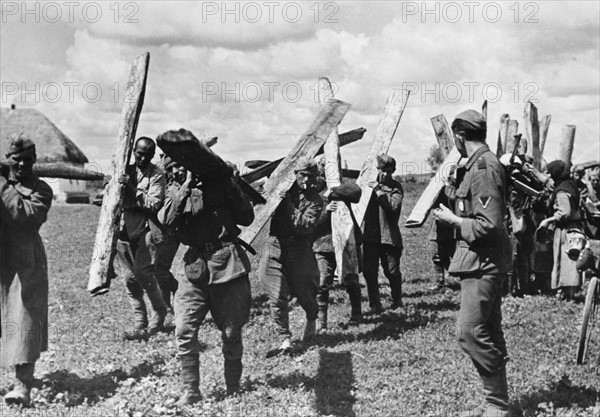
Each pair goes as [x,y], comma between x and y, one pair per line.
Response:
[247,71]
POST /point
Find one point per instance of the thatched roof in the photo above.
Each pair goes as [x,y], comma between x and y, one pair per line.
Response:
[51,144]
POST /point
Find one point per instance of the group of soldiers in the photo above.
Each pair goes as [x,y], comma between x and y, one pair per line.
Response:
[166,206]
[549,221]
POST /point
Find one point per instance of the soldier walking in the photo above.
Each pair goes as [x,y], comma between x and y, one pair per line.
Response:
[24,204]
[288,266]
[136,247]
[482,258]
[205,215]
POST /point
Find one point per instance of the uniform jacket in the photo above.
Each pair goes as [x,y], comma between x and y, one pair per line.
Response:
[297,215]
[24,208]
[382,215]
[479,197]
[147,200]
[206,219]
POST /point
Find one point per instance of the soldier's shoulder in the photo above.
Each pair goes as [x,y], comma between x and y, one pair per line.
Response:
[489,161]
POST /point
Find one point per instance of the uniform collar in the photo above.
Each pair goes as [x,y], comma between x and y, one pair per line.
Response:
[476,156]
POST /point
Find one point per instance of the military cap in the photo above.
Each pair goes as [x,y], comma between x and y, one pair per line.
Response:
[306,164]
[558,169]
[386,163]
[20,144]
[474,119]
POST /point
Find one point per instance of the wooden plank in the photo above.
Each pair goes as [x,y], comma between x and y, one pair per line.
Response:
[421,210]
[443,134]
[101,267]
[502,133]
[544,126]
[342,226]
[267,169]
[427,200]
[330,115]
[63,170]
[532,130]
[567,143]
[513,130]
[388,125]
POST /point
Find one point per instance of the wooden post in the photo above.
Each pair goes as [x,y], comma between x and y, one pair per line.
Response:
[567,143]
[431,193]
[513,130]
[101,267]
[443,134]
[268,168]
[330,115]
[342,226]
[532,130]
[544,126]
[388,124]
[502,133]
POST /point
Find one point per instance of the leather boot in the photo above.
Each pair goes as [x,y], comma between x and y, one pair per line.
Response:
[140,319]
[323,302]
[310,329]
[190,379]
[157,320]
[495,390]
[233,374]
[396,287]
[355,304]
[476,412]
[21,393]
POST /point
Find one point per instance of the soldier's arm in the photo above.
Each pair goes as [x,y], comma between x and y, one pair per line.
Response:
[305,221]
[487,188]
[167,215]
[151,200]
[26,210]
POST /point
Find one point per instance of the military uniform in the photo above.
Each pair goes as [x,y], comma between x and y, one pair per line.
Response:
[136,247]
[481,261]
[288,266]
[24,206]
[216,274]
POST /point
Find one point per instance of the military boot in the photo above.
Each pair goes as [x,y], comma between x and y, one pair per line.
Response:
[476,412]
[233,374]
[310,330]
[190,379]
[157,320]
[140,319]
[21,393]
[495,389]
[355,304]
[323,302]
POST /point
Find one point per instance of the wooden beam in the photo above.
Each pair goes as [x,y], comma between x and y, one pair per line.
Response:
[567,143]
[330,115]
[502,134]
[267,169]
[62,170]
[101,267]
[532,130]
[342,226]
[544,126]
[388,124]
[443,134]
[431,193]
[513,130]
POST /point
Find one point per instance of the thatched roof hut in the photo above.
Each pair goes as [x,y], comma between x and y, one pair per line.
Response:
[51,144]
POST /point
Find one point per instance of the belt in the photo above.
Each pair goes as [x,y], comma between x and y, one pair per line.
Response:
[212,246]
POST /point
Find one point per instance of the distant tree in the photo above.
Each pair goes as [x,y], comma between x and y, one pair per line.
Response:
[435,158]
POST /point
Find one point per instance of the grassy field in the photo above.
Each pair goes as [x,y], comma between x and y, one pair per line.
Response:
[402,363]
